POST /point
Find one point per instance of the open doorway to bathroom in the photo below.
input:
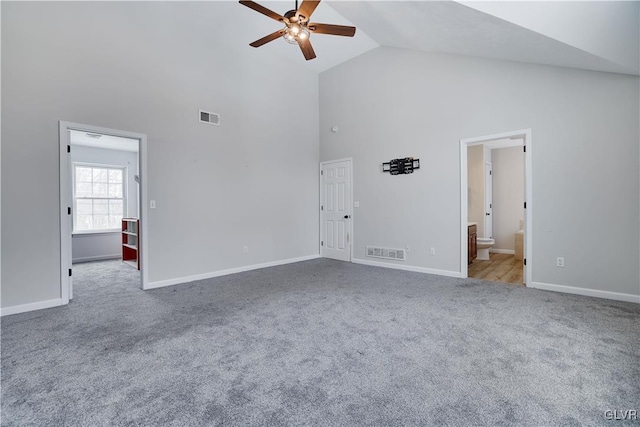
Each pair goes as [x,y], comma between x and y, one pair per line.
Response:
[495,181]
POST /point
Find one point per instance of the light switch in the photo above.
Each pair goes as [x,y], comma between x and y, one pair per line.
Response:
[152,204]
[356,204]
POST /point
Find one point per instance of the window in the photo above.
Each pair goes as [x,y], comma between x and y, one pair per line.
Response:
[98,197]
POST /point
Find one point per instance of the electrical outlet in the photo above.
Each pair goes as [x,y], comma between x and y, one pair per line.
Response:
[407,248]
[432,251]
[560,261]
[245,249]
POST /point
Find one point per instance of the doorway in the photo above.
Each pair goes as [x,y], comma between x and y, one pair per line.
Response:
[488,199]
[504,248]
[102,182]
[336,227]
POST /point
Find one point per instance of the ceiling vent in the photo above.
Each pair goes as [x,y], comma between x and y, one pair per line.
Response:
[387,253]
[211,118]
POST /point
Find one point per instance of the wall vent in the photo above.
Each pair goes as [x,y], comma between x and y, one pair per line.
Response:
[211,118]
[387,253]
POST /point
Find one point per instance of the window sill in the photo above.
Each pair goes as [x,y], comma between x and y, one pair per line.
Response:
[95,233]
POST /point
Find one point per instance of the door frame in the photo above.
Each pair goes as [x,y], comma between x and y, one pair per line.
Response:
[488,206]
[66,200]
[525,134]
[349,160]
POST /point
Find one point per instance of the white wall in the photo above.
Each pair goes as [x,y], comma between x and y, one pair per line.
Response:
[605,28]
[143,67]
[391,103]
[94,246]
[508,195]
[475,181]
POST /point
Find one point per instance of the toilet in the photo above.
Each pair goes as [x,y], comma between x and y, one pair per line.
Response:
[484,245]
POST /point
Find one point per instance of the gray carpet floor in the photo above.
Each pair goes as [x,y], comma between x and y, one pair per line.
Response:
[320,342]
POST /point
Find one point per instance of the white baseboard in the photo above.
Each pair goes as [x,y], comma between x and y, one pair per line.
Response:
[23,308]
[502,251]
[408,268]
[618,296]
[187,279]
[95,258]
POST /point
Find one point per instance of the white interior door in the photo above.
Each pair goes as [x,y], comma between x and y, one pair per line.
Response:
[488,201]
[335,210]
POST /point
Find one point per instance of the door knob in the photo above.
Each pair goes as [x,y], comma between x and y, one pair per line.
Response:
[488,214]
[347,216]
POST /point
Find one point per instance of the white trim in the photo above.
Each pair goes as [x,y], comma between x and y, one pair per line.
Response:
[488,219]
[351,209]
[66,199]
[407,268]
[101,165]
[618,296]
[344,159]
[504,135]
[525,134]
[143,213]
[90,233]
[96,258]
[23,308]
[505,144]
[464,210]
[528,213]
[502,251]
[319,209]
[204,276]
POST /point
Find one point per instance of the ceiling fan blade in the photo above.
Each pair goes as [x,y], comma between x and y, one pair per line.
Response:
[267,39]
[307,50]
[307,7]
[263,10]
[335,30]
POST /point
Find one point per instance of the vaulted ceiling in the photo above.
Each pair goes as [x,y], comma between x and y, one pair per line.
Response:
[599,36]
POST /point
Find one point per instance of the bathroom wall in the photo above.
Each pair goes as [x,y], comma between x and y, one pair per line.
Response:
[508,195]
[475,170]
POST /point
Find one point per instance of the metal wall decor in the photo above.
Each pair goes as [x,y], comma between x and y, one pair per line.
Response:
[401,166]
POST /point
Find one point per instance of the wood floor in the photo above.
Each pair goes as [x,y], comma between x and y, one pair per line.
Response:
[500,268]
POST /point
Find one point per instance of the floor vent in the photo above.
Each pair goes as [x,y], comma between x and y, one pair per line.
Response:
[211,118]
[387,253]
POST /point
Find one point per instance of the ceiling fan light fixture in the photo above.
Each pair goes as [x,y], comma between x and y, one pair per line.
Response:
[294,34]
[289,37]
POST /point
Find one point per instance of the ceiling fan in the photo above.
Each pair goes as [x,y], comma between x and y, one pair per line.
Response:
[297,26]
